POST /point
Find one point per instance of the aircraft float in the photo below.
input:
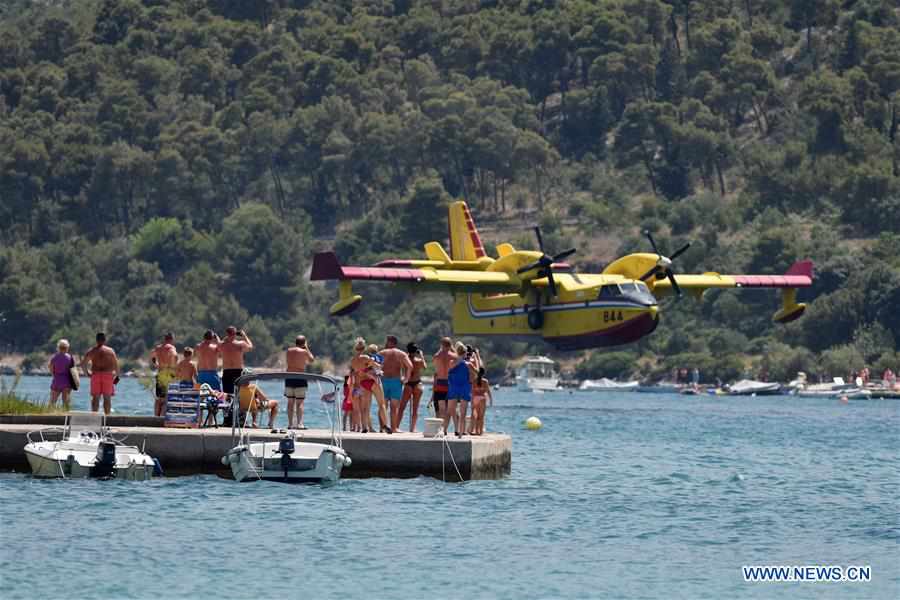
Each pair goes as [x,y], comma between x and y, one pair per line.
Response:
[529,294]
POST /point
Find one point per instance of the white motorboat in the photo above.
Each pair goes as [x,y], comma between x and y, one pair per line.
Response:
[86,450]
[827,390]
[607,385]
[288,459]
[836,389]
[537,374]
[747,387]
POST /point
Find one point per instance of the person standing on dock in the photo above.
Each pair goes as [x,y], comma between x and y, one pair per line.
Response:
[459,395]
[163,358]
[232,349]
[103,372]
[397,368]
[439,389]
[208,360]
[298,356]
[60,368]
[412,387]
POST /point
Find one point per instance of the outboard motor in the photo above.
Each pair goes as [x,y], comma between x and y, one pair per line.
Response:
[286,448]
[105,463]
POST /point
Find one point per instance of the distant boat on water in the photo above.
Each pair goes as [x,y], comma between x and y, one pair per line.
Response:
[537,374]
[607,385]
[749,387]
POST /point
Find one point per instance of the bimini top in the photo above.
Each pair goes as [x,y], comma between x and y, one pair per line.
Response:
[540,360]
[249,377]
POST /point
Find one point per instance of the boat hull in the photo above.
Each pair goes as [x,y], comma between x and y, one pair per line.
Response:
[532,384]
[51,460]
[310,463]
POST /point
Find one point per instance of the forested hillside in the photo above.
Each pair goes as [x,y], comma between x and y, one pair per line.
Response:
[173,165]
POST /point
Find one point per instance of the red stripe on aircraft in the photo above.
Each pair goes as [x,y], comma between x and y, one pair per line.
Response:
[381,274]
[775,281]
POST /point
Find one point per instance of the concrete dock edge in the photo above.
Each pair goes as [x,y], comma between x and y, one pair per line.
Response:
[198,451]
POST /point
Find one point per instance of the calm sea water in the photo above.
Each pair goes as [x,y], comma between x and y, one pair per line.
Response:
[619,495]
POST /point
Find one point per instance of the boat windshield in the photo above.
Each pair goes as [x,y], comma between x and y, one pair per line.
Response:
[541,370]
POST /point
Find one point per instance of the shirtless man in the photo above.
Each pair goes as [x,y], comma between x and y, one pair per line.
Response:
[104,373]
[439,390]
[397,368]
[298,356]
[164,358]
[208,360]
[185,371]
[232,350]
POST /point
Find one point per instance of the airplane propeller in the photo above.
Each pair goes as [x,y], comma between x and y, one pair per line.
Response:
[663,266]
[544,263]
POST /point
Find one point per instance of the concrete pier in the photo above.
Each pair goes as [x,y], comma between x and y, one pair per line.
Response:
[198,451]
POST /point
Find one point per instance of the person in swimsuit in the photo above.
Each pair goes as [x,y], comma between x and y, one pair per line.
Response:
[59,367]
[208,360]
[347,406]
[481,395]
[232,350]
[103,372]
[185,370]
[460,389]
[297,357]
[163,358]
[397,368]
[378,388]
[439,389]
[412,388]
[364,370]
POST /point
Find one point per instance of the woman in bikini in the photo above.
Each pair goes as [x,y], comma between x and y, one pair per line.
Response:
[361,367]
[412,389]
[481,395]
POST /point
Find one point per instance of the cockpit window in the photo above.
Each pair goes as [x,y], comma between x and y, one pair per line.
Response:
[610,291]
[628,288]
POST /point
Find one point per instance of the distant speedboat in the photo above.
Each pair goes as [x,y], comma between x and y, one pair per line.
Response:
[289,459]
[748,387]
[538,373]
[87,450]
[607,385]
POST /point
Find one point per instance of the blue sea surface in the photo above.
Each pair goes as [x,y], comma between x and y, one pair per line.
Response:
[620,495]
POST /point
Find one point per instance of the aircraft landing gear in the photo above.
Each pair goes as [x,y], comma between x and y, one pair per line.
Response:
[535,318]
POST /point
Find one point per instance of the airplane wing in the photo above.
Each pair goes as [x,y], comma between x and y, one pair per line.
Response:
[426,276]
[799,275]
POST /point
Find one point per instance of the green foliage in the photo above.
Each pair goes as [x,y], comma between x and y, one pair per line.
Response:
[613,365]
[173,165]
[11,404]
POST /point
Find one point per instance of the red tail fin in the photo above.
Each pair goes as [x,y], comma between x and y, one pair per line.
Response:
[801,267]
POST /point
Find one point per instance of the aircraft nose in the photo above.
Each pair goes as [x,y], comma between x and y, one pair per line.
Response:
[653,310]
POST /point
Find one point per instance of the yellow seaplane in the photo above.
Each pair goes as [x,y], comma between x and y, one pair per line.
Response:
[529,294]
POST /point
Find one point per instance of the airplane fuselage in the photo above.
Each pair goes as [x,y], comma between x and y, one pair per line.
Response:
[590,316]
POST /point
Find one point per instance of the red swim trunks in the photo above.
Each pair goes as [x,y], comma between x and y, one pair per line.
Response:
[102,384]
[367,384]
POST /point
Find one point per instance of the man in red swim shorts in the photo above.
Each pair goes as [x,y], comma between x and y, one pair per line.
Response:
[104,373]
